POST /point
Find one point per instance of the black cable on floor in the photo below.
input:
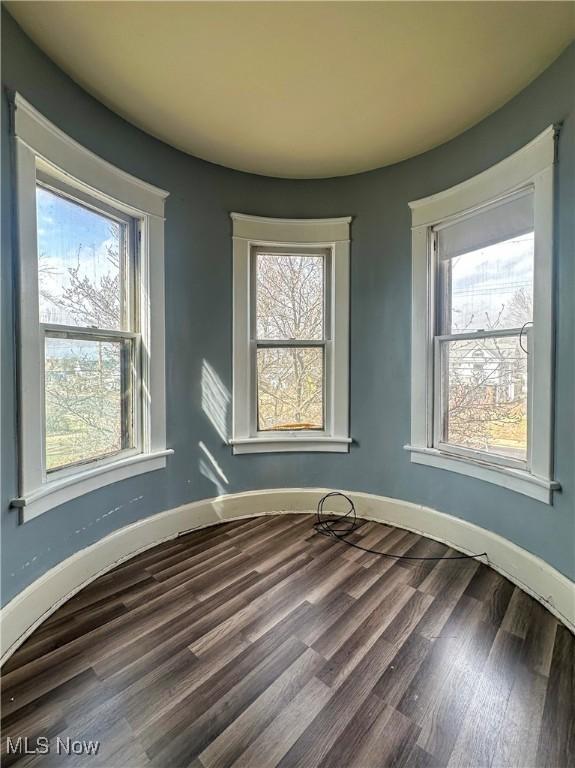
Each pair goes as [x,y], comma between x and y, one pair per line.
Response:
[343,525]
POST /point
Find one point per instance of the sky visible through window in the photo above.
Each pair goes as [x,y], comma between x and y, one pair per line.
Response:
[77,248]
[493,287]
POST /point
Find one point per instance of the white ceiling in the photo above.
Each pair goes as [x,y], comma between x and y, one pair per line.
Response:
[301,89]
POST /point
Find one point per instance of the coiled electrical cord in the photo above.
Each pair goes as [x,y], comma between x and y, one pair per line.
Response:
[343,525]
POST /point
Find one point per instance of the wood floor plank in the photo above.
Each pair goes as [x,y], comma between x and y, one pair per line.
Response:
[408,618]
[521,728]
[193,624]
[348,746]
[387,542]
[325,613]
[389,742]
[365,578]
[420,569]
[236,738]
[419,758]
[479,734]
[537,650]
[446,647]
[380,544]
[347,657]
[310,580]
[318,738]
[334,637]
[282,733]
[403,667]
[185,742]
[371,534]
[449,577]
[193,678]
[72,629]
[213,631]
[557,733]
[193,565]
[445,713]
[494,591]
[197,699]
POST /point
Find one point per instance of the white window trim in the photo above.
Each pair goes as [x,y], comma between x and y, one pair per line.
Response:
[533,165]
[332,234]
[40,145]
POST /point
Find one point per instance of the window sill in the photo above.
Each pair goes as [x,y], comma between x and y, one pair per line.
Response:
[517,480]
[283,443]
[59,491]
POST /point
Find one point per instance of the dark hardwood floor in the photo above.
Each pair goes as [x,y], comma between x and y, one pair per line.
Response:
[260,643]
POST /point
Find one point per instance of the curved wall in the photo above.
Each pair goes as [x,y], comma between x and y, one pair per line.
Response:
[198,323]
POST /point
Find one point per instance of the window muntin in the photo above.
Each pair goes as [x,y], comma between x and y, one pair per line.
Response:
[484,316]
[87,262]
[289,341]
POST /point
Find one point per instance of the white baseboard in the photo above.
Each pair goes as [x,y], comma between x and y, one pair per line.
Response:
[41,598]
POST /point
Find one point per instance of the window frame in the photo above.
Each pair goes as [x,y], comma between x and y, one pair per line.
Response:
[329,239]
[324,343]
[531,167]
[46,156]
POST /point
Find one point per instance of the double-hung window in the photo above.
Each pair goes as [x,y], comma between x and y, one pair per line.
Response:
[484,283]
[482,363]
[87,266]
[90,253]
[289,343]
[291,306]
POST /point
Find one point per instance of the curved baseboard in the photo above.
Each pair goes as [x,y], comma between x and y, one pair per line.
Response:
[41,598]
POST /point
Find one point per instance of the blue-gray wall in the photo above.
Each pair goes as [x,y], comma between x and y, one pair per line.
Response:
[199,321]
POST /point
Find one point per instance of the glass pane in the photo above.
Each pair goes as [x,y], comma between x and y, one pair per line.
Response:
[79,258]
[290,298]
[84,403]
[290,388]
[490,288]
[485,388]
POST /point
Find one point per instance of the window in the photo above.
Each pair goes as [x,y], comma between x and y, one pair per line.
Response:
[482,325]
[290,340]
[86,269]
[92,405]
[485,309]
[290,334]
